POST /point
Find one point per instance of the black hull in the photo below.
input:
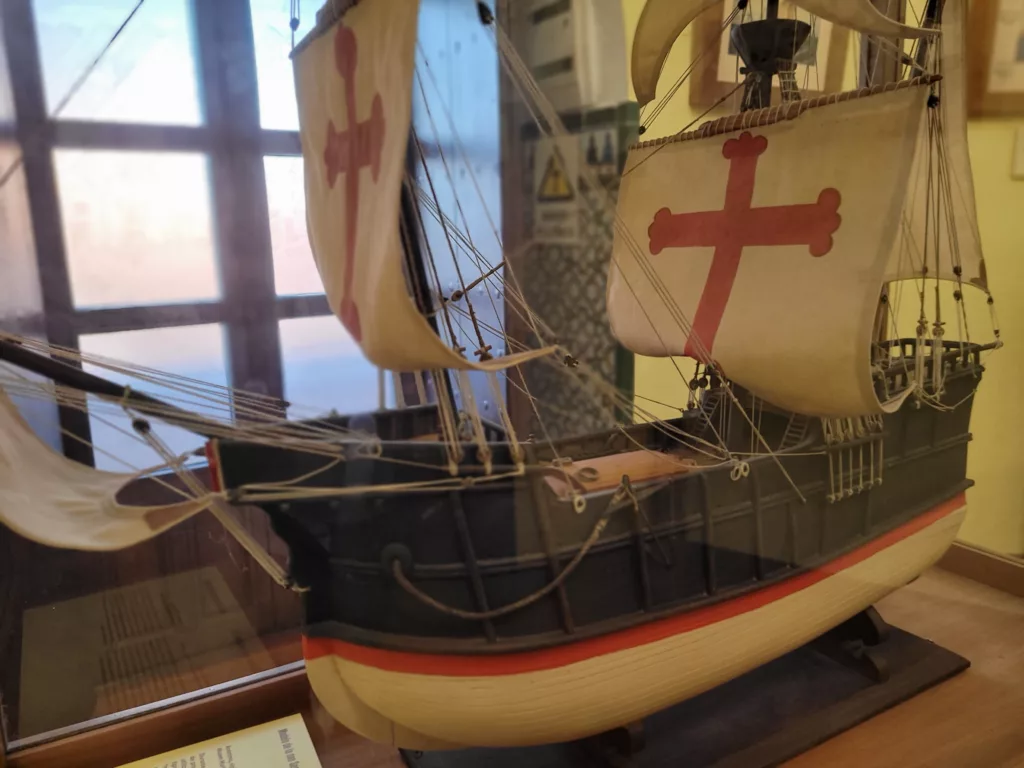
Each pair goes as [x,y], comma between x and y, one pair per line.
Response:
[700,538]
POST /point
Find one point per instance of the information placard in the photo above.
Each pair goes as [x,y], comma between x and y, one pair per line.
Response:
[283,743]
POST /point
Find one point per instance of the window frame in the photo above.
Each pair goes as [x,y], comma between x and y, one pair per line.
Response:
[234,143]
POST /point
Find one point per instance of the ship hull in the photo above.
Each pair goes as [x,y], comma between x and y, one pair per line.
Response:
[502,613]
[425,701]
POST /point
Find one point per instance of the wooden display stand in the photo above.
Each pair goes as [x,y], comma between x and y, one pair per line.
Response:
[761,719]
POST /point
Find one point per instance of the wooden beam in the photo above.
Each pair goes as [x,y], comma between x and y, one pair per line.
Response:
[85,134]
[994,569]
[163,729]
[302,306]
[155,316]
[114,319]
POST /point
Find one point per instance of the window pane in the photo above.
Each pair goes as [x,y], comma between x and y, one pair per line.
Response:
[463,122]
[21,301]
[294,268]
[137,226]
[324,369]
[273,39]
[195,351]
[147,76]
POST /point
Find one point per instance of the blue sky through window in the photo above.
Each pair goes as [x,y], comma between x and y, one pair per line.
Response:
[148,75]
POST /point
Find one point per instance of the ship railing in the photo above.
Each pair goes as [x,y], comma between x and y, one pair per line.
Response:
[898,370]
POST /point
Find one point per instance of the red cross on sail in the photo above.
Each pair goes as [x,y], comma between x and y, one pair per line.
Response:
[736,250]
[737,226]
[353,83]
[347,152]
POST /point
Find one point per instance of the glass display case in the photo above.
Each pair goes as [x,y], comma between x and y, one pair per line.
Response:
[154,209]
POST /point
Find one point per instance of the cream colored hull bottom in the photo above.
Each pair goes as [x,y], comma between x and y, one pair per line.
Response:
[438,711]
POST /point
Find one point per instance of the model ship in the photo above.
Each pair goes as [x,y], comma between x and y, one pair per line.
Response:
[465,586]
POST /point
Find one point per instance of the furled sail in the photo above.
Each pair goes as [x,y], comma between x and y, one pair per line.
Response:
[662,21]
[60,503]
[862,16]
[354,89]
[770,231]
[947,206]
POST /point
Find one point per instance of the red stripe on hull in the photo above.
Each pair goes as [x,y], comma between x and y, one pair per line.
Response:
[570,653]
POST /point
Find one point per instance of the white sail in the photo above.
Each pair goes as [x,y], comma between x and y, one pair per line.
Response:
[354,89]
[862,16]
[58,502]
[662,21]
[773,241]
[943,156]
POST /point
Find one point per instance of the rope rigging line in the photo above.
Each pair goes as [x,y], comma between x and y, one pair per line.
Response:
[615,503]
[662,103]
[509,287]
[76,86]
[466,242]
[482,349]
[237,415]
[606,393]
[522,77]
[218,507]
[596,196]
[519,305]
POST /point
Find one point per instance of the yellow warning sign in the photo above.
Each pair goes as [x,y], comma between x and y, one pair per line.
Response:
[554,185]
[555,166]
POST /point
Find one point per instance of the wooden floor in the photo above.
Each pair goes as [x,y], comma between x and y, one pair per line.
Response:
[973,721]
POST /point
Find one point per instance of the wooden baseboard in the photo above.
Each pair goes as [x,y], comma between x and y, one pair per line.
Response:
[1003,572]
[167,729]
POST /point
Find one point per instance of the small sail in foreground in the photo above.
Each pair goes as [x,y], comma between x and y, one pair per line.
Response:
[58,502]
[354,89]
[775,247]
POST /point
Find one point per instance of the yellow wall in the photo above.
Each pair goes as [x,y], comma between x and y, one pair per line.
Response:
[996,517]
[996,504]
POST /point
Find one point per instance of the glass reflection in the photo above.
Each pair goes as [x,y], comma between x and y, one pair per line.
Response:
[194,351]
[137,227]
[324,369]
[273,39]
[294,268]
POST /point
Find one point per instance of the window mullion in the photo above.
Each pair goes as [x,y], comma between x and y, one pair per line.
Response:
[25,68]
[227,71]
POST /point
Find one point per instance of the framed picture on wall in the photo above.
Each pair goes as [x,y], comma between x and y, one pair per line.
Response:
[996,58]
[716,75]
